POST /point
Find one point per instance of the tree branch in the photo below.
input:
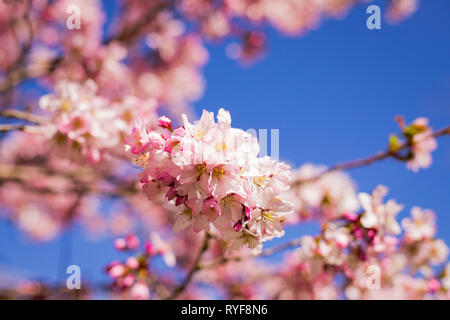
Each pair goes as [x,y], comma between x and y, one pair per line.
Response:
[369,160]
[14,73]
[18,127]
[17,114]
[17,74]
[195,267]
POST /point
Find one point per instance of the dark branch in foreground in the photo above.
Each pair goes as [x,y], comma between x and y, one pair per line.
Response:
[195,267]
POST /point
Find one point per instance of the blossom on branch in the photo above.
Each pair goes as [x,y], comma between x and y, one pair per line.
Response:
[214,173]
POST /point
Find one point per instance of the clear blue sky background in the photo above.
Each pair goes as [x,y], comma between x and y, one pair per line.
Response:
[333,94]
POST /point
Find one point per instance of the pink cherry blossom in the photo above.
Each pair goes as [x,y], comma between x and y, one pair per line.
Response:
[93,153]
[213,174]
[420,226]
[140,291]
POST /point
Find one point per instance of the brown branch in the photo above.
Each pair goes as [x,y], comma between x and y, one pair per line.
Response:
[126,36]
[18,127]
[17,114]
[14,73]
[371,159]
[281,247]
[82,179]
[194,269]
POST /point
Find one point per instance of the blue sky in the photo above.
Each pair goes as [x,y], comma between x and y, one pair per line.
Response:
[333,94]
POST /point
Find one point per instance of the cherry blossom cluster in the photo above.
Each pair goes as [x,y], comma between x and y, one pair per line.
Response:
[213,171]
[133,278]
[167,73]
[60,191]
[165,26]
[326,198]
[343,257]
[44,214]
[358,243]
[204,177]
[217,20]
[84,123]
[153,59]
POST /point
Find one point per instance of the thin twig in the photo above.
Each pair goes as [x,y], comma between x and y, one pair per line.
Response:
[270,251]
[82,179]
[17,114]
[15,72]
[18,127]
[195,267]
[126,36]
[369,160]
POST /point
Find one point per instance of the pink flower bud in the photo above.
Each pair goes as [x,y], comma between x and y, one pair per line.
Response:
[132,263]
[171,194]
[180,200]
[180,131]
[433,285]
[362,255]
[120,244]
[165,122]
[359,233]
[149,249]
[371,234]
[237,226]
[128,280]
[132,242]
[140,291]
[117,271]
[351,216]
[165,179]
[247,213]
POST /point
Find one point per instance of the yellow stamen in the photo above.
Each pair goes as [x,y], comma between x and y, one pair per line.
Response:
[217,172]
[200,169]
[228,200]
[259,181]
[221,146]
[142,160]
[65,106]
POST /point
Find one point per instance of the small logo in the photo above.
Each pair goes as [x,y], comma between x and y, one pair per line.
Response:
[374,280]
[374,20]
[74,280]
[74,20]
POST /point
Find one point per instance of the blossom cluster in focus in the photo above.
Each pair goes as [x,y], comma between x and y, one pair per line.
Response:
[213,172]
